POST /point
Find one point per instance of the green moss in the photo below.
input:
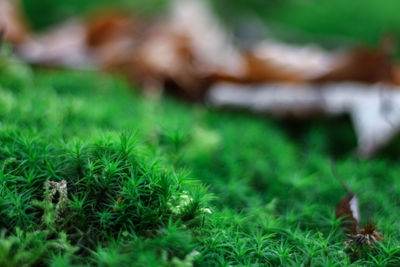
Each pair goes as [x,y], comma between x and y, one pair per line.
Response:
[164,183]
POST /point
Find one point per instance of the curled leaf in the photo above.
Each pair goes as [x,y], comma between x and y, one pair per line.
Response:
[348,209]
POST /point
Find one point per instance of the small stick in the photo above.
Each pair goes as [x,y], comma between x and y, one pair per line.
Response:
[336,175]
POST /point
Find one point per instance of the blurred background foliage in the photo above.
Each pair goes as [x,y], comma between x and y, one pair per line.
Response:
[363,21]
[59,11]
[324,22]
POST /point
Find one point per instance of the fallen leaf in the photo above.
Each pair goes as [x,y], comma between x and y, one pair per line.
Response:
[62,46]
[348,210]
[112,37]
[358,237]
[308,61]
[361,65]
[373,109]
[12,22]
[260,70]
[164,60]
[212,45]
[364,65]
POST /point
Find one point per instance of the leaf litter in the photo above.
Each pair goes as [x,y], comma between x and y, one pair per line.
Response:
[188,53]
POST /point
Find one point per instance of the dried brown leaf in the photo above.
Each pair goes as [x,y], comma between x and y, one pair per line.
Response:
[12,22]
[348,210]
